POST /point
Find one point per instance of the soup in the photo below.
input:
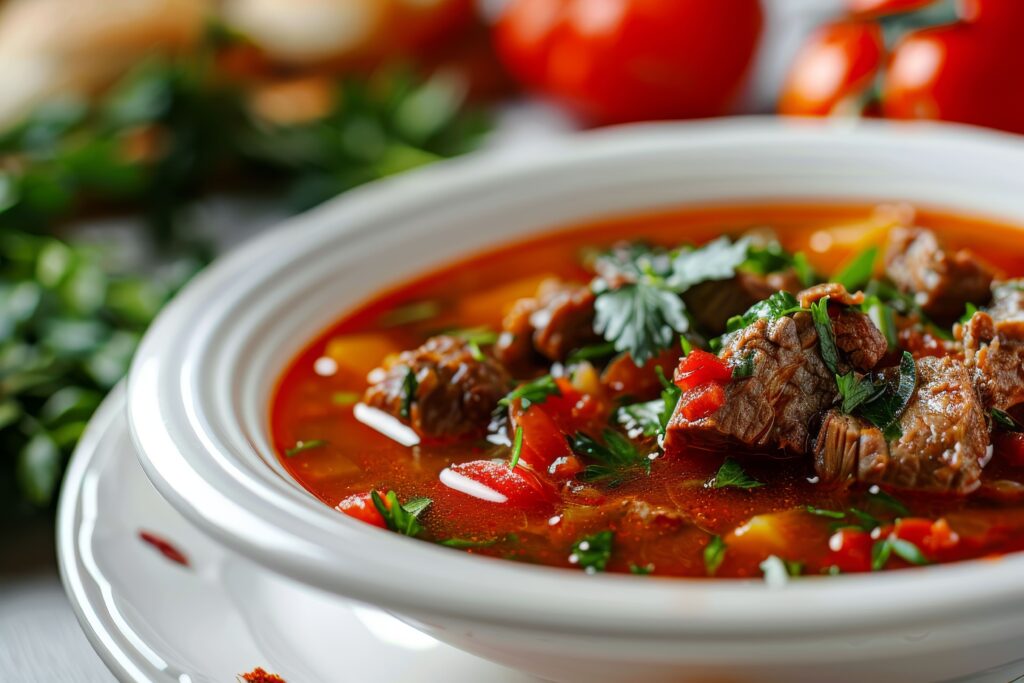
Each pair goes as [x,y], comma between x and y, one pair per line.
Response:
[737,392]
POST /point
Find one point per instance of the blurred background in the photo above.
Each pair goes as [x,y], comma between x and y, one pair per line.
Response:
[140,138]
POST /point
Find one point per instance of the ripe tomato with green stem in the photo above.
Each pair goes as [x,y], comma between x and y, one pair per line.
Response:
[612,61]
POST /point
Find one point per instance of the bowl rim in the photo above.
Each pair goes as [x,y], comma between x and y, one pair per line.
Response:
[321,548]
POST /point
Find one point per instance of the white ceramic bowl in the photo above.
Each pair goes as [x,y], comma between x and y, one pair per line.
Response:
[200,386]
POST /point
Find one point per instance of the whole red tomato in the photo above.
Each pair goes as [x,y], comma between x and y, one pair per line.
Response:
[969,70]
[613,61]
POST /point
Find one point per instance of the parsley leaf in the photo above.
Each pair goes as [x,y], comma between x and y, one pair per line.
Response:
[831,514]
[303,446]
[463,543]
[639,318]
[855,390]
[716,260]
[714,554]
[772,308]
[592,553]
[641,570]
[616,458]
[403,519]
[409,387]
[1006,421]
[885,410]
[517,448]
[826,335]
[592,352]
[856,272]
[534,391]
[883,549]
[969,312]
[878,496]
[731,474]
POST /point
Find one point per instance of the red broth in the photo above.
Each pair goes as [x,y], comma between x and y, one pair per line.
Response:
[677,525]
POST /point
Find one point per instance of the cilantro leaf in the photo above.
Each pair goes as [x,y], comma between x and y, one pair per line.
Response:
[731,474]
[883,549]
[856,272]
[776,306]
[1006,421]
[716,260]
[768,258]
[534,391]
[714,554]
[592,553]
[409,387]
[855,390]
[885,410]
[402,519]
[616,457]
[640,318]
[826,335]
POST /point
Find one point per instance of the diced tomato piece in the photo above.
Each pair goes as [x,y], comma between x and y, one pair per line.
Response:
[701,367]
[492,481]
[1010,447]
[702,401]
[573,411]
[850,550]
[362,508]
[931,537]
[565,467]
[543,440]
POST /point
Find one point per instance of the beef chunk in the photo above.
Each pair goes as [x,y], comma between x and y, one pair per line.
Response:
[943,448]
[559,319]
[455,393]
[994,355]
[711,304]
[941,282]
[856,335]
[773,407]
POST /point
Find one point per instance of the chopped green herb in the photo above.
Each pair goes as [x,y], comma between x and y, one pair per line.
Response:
[804,272]
[640,318]
[345,398]
[685,345]
[475,351]
[592,352]
[855,390]
[403,519]
[534,391]
[884,318]
[641,570]
[777,571]
[856,272]
[768,258]
[517,448]
[883,549]
[592,553]
[774,307]
[745,368]
[831,514]
[652,417]
[826,335]
[411,313]
[865,521]
[714,554]
[481,336]
[716,260]
[463,543]
[1006,421]
[731,474]
[885,410]
[880,497]
[410,385]
[303,446]
[616,458]
[969,312]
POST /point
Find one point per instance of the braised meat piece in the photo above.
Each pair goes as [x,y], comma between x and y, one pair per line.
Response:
[941,282]
[856,336]
[557,320]
[944,444]
[711,304]
[452,396]
[773,407]
[994,355]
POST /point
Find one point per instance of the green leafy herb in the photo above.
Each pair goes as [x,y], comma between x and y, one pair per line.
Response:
[592,553]
[856,272]
[878,496]
[774,307]
[303,446]
[517,448]
[883,549]
[685,346]
[714,554]
[855,390]
[804,272]
[615,459]
[730,474]
[345,398]
[969,312]
[885,410]
[883,316]
[410,385]
[861,519]
[1006,421]
[777,571]
[745,368]
[464,543]
[481,336]
[416,312]
[716,260]
[826,335]
[403,519]
[592,352]
[651,418]
[767,258]
[831,514]
[640,318]
[534,391]
[641,570]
